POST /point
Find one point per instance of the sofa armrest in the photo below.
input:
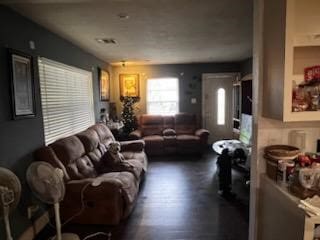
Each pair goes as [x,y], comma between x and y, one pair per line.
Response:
[202,133]
[135,135]
[133,146]
[106,188]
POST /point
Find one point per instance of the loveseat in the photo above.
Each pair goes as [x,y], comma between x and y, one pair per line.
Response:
[81,158]
[171,134]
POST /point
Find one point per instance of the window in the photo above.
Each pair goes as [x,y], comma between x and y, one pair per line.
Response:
[66,97]
[163,96]
[221,100]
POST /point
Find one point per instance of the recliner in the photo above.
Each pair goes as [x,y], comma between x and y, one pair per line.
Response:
[79,156]
[171,134]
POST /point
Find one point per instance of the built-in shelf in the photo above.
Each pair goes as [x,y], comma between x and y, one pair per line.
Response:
[298,78]
[305,116]
[305,57]
[292,40]
[307,40]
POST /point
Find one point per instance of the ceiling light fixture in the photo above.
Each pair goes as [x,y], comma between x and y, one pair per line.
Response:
[106,40]
[123,63]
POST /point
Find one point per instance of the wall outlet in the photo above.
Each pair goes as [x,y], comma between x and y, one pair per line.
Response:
[193,100]
[32,210]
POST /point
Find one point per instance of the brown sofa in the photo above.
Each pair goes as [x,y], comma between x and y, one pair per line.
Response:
[81,158]
[171,134]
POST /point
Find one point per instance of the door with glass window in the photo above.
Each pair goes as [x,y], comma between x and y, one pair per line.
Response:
[217,105]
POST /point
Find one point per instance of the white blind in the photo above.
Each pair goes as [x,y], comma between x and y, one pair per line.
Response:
[163,96]
[67,99]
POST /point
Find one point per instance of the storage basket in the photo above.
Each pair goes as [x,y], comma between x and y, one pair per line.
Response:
[272,168]
[282,152]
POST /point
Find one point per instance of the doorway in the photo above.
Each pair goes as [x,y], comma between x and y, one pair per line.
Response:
[217,104]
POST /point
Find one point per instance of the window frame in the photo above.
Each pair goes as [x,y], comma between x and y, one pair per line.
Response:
[177,92]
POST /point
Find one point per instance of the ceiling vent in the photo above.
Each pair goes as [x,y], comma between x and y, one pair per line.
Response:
[106,40]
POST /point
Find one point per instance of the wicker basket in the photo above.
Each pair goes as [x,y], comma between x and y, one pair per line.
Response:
[271,167]
[282,152]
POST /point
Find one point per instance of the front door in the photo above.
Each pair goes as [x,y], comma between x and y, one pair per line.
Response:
[217,104]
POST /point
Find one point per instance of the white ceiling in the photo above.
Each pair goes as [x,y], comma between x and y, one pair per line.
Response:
[156,32]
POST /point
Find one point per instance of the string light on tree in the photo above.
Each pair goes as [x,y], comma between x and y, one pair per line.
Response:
[127,115]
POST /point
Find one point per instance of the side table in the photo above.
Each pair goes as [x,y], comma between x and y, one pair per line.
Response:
[232,145]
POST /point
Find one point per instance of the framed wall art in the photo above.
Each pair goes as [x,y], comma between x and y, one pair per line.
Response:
[104,82]
[22,84]
[129,85]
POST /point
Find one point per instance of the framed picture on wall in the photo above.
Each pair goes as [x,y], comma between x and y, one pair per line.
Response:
[129,85]
[104,83]
[22,84]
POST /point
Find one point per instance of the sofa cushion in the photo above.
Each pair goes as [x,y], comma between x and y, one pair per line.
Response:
[104,133]
[168,122]
[71,153]
[185,123]
[151,125]
[90,141]
[81,168]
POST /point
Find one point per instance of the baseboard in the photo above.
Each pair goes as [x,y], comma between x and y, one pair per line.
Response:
[37,226]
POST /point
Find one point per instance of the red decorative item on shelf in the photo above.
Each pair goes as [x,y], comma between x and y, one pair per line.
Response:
[312,74]
[316,73]
[308,74]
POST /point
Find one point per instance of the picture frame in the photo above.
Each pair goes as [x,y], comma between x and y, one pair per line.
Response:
[22,84]
[104,84]
[129,85]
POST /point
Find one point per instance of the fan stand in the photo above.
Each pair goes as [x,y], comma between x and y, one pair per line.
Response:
[63,236]
[6,222]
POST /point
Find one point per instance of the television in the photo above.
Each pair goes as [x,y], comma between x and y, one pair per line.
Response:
[246,129]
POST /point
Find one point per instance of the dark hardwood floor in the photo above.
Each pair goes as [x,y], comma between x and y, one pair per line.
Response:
[179,201]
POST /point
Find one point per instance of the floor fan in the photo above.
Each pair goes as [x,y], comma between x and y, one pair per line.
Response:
[10,191]
[47,184]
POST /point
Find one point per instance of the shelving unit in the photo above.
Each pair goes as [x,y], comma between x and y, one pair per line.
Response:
[236,108]
[242,101]
[282,217]
[292,42]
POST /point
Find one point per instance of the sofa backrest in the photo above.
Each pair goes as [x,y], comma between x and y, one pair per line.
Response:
[91,143]
[71,153]
[151,124]
[168,122]
[185,123]
[104,133]
[182,123]
[79,155]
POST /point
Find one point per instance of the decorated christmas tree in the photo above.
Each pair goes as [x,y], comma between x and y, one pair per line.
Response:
[128,116]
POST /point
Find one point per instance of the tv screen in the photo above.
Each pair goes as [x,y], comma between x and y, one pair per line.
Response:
[246,129]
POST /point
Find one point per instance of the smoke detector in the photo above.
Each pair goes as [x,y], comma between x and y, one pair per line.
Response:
[106,40]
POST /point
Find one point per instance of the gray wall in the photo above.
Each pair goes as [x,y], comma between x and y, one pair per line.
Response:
[19,138]
[189,76]
[246,66]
